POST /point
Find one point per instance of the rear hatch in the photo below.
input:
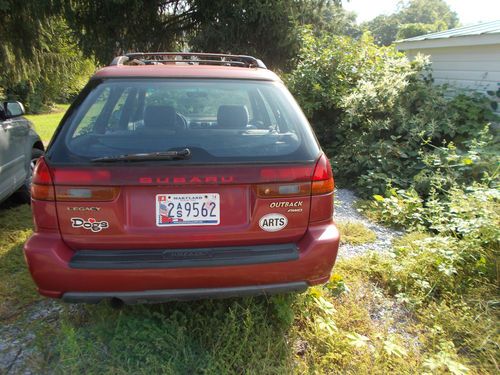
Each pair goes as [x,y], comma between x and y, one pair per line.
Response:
[143,164]
[148,207]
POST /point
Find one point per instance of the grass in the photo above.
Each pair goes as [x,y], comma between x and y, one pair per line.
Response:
[16,288]
[322,331]
[352,325]
[215,337]
[355,233]
[46,124]
[325,330]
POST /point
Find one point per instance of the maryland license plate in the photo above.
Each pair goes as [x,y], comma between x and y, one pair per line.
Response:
[187,209]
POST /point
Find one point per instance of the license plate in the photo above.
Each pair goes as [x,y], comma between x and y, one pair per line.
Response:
[187,209]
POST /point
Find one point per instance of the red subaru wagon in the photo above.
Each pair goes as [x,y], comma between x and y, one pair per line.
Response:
[177,176]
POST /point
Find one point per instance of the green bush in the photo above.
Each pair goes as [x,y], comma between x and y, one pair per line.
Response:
[434,266]
[377,114]
[431,163]
[447,271]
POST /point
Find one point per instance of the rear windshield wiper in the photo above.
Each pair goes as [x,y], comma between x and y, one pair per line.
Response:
[162,155]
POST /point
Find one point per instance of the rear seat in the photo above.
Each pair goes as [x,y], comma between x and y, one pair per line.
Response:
[232,117]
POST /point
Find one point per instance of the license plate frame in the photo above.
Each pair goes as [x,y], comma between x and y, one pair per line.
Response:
[185,209]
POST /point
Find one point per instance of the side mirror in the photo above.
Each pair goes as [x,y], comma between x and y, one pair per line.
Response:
[13,109]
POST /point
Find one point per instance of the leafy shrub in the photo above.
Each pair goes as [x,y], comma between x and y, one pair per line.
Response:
[335,333]
[431,164]
[447,272]
[469,215]
[401,208]
[433,266]
[378,114]
[457,325]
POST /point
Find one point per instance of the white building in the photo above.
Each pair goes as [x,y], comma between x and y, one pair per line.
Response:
[467,58]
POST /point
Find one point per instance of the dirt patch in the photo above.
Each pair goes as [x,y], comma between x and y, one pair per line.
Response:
[17,349]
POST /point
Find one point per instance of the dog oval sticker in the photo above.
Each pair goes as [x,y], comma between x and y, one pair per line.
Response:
[273,222]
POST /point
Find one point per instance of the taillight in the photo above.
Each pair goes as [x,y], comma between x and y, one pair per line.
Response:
[283,190]
[284,182]
[322,191]
[86,194]
[42,187]
[42,193]
[46,189]
[41,184]
[65,176]
[323,177]
[285,174]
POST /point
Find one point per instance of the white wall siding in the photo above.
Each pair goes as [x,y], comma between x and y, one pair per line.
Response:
[465,68]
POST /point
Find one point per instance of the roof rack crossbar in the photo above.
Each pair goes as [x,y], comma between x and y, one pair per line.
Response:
[188,57]
[193,62]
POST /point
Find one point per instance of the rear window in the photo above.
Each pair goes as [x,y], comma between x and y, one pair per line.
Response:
[224,121]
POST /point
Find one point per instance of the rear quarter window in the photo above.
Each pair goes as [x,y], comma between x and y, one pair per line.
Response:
[223,121]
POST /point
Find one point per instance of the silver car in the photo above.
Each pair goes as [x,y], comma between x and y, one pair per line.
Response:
[20,147]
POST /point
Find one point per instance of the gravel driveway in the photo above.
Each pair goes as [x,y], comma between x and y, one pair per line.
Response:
[345,211]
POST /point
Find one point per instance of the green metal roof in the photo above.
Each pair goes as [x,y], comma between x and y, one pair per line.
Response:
[492,27]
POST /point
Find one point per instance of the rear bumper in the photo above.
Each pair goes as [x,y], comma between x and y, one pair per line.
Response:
[49,258]
[157,296]
[183,258]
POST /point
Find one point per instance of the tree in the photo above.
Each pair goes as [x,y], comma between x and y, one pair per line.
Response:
[267,29]
[55,70]
[414,17]
[410,30]
[40,61]
[20,27]
[383,29]
[109,28]
[250,27]
[332,18]
[427,12]
[41,39]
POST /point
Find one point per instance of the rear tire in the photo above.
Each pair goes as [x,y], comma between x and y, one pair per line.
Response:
[24,193]
[116,303]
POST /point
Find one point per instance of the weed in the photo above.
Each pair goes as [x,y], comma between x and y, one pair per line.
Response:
[214,337]
[355,233]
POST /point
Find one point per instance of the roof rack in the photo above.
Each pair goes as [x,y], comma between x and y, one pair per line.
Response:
[191,58]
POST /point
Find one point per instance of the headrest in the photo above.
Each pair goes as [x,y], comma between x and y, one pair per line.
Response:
[232,116]
[159,117]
